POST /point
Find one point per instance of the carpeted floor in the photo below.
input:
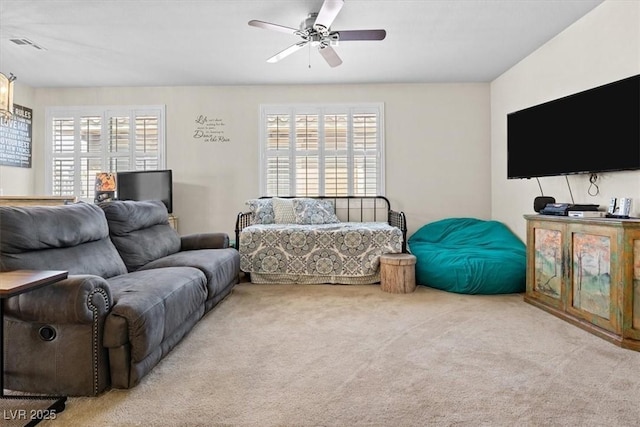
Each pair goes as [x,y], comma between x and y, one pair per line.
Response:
[286,355]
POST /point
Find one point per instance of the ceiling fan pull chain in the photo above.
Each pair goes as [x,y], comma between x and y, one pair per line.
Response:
[309,55]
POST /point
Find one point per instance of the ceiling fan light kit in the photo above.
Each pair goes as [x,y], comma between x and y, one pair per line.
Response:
[315,30]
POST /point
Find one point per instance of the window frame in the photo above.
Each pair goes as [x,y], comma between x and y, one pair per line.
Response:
[321,109]
[105,112]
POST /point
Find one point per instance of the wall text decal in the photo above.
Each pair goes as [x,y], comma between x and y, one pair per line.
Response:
[210,130]
[15,138]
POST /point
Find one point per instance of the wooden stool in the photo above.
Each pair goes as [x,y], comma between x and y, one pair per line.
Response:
[398,273]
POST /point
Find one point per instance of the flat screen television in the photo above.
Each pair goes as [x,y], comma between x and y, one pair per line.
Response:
[597,130]
[146,185]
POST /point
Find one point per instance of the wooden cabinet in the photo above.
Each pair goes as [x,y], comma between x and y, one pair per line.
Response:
[587,272]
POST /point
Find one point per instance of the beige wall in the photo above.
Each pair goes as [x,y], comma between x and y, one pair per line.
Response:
[437,139]
[602,47]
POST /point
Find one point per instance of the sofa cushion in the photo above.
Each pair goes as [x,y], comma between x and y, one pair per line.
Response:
[140,231]
[220,266]
[150,305]
[70,237]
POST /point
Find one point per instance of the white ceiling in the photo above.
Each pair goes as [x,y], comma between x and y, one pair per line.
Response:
[90,43]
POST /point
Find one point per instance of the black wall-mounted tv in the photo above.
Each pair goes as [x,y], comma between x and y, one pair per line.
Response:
[597,130]
[146,185]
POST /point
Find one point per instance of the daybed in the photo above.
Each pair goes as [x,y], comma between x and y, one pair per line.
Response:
[135,289]
[318,240]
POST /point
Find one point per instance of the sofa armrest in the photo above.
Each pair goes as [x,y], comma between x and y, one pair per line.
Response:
[77,299]
[204,241]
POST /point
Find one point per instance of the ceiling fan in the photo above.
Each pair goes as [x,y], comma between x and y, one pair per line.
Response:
[315,30]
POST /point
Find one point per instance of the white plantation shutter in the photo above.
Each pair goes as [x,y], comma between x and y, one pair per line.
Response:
[307,155]
[322,150]
[86,140]
[63,149]
[336,155]
[147,143]
[278,167]
[365,152]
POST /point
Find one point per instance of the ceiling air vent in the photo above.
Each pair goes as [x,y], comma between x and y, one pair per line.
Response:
[26,42]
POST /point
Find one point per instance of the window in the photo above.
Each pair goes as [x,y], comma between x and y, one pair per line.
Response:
[322,150]
[83,141]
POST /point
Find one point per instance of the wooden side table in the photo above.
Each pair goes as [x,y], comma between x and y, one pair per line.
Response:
[14,283]
[398,273]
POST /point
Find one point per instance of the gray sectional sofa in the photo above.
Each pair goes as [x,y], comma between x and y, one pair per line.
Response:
[135,289]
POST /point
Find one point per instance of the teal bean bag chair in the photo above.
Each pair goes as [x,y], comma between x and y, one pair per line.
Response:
[469,256]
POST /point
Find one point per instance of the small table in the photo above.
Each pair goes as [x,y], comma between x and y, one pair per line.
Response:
[14,283]
[398,273]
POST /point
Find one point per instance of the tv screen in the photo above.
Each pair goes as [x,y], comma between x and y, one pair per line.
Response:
[597,130]
[146,185]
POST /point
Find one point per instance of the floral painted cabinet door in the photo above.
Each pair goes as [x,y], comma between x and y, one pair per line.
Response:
[632,307]
[545,272]
[593,292]
[548,262]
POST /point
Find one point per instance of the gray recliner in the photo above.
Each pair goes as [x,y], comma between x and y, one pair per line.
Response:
[135,289]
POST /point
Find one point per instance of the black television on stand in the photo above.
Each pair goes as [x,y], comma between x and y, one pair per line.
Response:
[596,130]
[146,185]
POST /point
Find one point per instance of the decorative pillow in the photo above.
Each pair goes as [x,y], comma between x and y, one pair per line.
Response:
[262,210]
[313,211]
[283,210]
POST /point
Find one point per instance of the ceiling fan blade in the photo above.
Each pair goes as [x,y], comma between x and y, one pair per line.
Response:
[328,12]
[329,55]
[288,51]
[360,35]
[270,26]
